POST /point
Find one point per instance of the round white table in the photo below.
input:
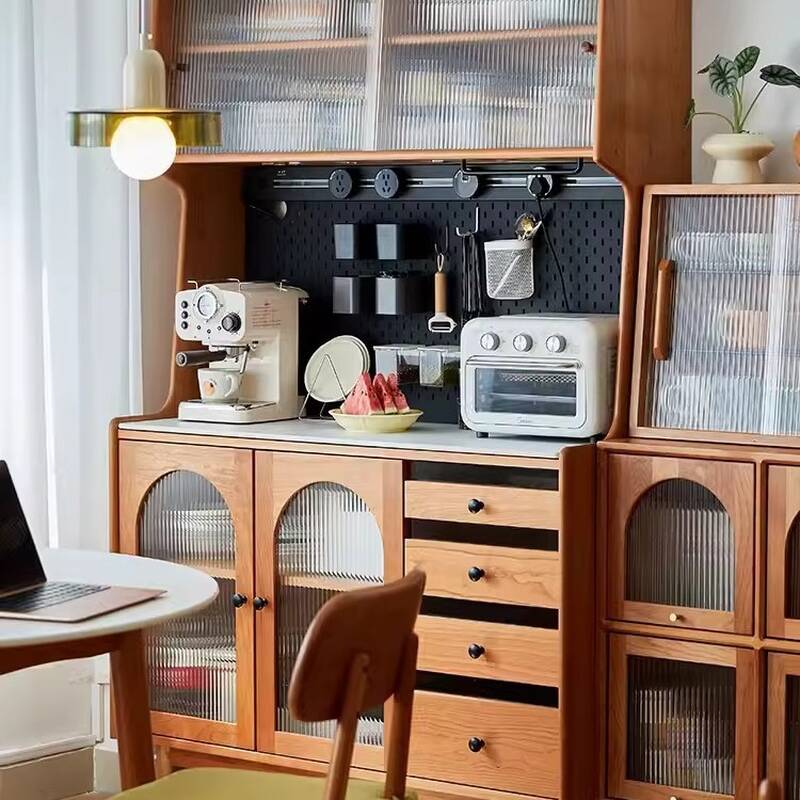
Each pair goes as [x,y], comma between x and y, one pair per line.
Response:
[25,643]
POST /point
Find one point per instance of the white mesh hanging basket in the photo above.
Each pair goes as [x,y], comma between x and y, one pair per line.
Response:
[509,269]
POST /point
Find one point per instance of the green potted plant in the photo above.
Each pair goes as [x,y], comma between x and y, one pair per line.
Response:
[738,153]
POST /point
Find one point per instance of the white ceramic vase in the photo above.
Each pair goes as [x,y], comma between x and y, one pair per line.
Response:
[738,156]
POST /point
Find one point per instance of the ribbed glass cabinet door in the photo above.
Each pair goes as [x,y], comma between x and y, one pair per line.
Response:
[328,541]
[681,542]
[783,723]
[725,282]
[193,505]
[326,524]
[684,723]
[192,660]
[300,76]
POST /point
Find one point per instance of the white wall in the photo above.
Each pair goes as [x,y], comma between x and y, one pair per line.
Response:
[726,26]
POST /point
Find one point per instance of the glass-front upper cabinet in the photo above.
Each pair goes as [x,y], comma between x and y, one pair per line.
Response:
[718,322]
[194,506]
[325,525]
[300,76]
[681,542]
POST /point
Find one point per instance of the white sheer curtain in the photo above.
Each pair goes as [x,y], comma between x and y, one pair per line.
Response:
[69,277]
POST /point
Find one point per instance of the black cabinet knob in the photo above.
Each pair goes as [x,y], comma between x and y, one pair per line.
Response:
[239,600]
[475,574]
[476,744]
[260,603]
[476,650]
[475,506]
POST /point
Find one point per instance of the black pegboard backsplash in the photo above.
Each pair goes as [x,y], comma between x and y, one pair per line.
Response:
[299,248]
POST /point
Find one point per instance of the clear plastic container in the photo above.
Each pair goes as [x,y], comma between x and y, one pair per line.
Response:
[402,359]
[439,367]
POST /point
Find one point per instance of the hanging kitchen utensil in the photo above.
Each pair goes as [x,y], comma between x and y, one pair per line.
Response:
[471,292]
[440,322]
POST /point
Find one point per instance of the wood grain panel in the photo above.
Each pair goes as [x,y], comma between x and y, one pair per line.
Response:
[512,652]
[780,666]
[522,743]
[502,505]
[783,507]
[520,577]
[629,478]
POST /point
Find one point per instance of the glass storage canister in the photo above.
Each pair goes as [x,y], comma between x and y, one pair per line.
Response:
[439,367]
[400,359]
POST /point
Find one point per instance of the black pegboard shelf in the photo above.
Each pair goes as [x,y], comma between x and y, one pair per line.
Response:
[586,233]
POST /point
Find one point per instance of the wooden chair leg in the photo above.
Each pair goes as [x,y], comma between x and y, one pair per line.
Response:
[400,732]
[132,711]
[344,741]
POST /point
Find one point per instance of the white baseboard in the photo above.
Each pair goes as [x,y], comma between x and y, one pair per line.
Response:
[50,778]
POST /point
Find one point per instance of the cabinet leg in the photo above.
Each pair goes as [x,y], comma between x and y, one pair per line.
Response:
[163,765]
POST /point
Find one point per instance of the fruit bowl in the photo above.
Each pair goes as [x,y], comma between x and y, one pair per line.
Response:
[376,423]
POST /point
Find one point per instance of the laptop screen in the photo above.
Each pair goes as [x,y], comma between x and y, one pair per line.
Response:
[20,566]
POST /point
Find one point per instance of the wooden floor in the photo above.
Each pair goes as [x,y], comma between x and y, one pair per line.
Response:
[90,797]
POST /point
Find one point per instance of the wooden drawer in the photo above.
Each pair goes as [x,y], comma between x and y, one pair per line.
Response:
[501,505]
[510,575]
[521,751]
[510,652]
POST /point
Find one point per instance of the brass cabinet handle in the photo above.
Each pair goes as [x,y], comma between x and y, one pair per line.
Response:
[662,321]
[673,617]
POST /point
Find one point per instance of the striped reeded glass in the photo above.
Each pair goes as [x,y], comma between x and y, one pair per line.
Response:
[792,776]
[680,548]
[192,660]
[344,75]
[328,541]
[735,357]
[681,724]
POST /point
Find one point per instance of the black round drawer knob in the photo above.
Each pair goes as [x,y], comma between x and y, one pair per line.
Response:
[475,506]
[260,603]
[476,651]
[475,574]
[239,600]
[476,745]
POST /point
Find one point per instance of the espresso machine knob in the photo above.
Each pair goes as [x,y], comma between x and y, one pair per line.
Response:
[231,323]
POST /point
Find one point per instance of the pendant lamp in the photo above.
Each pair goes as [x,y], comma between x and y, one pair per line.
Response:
[144,135]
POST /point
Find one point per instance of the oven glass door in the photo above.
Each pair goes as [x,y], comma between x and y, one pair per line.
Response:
[539,393]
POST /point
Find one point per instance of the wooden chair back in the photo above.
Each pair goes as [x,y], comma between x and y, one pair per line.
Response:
[359,651]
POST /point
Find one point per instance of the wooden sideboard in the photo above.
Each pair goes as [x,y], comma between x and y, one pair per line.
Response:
[503,707]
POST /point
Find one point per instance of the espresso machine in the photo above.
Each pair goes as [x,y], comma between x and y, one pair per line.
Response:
[250,331]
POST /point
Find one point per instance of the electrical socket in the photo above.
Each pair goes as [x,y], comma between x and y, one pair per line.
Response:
[340,184]
[387,184]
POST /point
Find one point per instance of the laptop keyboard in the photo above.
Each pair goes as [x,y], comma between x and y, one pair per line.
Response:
[51,594]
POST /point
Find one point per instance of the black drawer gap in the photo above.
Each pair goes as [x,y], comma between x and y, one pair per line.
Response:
[546,696]
[488,476]
[497,535]
[527,616]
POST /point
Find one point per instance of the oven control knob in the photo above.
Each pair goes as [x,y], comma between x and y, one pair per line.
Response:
[523,343]
[555,344]
[490,341]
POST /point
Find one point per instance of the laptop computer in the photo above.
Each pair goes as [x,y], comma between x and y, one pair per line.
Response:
[25,592]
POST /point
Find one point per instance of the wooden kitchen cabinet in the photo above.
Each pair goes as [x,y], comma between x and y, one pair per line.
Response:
[194,506]
[783,723]
[783,552]
[324,525]
[680,536]
[682,720]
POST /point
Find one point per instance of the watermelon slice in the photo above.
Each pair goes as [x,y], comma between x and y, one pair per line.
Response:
[384,394]
[362,400]
[400,402]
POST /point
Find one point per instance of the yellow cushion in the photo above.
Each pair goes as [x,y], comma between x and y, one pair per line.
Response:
[242,784]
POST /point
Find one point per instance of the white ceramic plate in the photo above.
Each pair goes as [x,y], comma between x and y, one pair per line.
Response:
[376,423]
[349,357]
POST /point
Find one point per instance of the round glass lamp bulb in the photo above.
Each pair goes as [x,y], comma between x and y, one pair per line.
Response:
[143,147]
